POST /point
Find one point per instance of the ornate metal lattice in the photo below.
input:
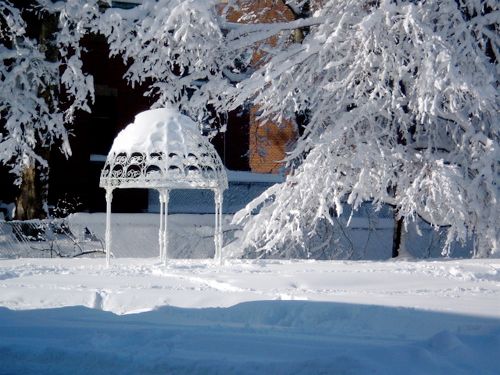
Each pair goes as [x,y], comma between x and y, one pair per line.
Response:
[188,161]
[157,169]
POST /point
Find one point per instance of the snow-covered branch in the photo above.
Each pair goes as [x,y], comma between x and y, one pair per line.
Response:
[30,119]
[403,106]
[31,107]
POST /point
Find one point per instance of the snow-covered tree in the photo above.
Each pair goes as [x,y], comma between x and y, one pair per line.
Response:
[401,100]
[186,50]
[34,110]
[403,107]
[174,45]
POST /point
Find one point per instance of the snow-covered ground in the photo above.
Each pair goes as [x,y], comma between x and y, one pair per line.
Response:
[249,317]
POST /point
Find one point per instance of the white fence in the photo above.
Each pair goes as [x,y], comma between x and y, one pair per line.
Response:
[369,236]
[46,239]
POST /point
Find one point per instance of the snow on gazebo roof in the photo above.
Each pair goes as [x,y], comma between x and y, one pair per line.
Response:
[163,149]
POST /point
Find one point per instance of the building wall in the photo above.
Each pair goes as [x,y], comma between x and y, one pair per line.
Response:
[269,140]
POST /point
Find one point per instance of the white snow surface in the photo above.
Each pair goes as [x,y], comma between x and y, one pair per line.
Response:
[62,316]
[158,130]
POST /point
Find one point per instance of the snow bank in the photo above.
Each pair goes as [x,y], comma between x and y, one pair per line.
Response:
[249,317]
[210,341]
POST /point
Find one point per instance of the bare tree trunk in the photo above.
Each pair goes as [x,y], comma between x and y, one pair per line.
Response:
[397,234]
[31,202]
[397,237]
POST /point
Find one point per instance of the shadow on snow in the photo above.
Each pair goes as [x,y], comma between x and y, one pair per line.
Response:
[263,337]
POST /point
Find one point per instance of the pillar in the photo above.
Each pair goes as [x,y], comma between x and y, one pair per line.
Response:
[164,196]
[109,198]
[162,224]
[218,239]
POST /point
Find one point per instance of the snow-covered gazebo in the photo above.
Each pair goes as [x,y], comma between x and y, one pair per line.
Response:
[163,150]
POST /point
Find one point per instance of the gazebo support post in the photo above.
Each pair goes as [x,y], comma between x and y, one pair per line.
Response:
[162,224]
[218,226]
[164,196]
[109,198]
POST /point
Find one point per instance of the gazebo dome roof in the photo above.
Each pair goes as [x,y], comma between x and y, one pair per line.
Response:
[163,148]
